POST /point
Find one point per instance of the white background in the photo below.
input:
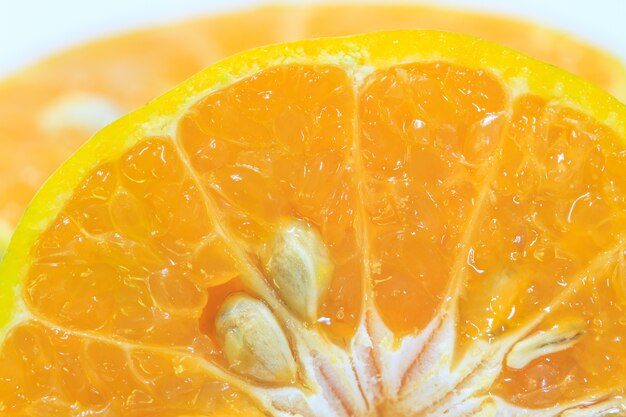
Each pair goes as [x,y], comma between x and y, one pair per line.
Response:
[30,29]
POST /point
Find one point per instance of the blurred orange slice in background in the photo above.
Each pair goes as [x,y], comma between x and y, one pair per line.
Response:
[49,109]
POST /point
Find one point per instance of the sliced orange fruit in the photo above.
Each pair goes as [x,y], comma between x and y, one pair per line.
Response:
[48,110]
[395,224]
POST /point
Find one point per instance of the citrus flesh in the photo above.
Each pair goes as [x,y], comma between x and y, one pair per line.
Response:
[51,108]
[396,224]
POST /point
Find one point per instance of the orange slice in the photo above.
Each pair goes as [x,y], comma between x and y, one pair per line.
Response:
[396,224]
[48,110]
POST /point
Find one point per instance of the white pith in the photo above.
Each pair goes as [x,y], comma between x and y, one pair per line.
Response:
[381,375]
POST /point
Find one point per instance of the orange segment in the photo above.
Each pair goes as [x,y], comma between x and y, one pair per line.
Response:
[423,126]
[269,153]
[548,208]
[51,108]
[595,361]
[51,372]
[374,225]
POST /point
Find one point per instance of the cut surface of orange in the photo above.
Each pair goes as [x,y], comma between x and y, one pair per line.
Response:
[48,110]
[395,224]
